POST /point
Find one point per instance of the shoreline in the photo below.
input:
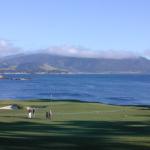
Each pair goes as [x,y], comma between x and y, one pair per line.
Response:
[78,73]
[70,100]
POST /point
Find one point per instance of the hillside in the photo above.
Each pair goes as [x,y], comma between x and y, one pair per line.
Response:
[46,63]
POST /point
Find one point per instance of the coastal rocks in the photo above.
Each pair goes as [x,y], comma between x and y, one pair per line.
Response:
[20,79]
[12,78]
[2,77]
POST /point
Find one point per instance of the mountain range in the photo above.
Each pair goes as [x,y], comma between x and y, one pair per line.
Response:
[48,63]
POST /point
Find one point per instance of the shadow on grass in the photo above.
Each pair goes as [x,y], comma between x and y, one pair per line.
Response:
[74,135]
[62,100]
[142,107]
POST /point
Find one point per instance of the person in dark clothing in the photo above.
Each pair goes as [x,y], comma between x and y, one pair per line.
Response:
[47,115]
[33,112]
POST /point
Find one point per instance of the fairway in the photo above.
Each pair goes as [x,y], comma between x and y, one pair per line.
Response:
[74,125]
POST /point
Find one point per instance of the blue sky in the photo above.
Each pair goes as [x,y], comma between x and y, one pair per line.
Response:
[122,25]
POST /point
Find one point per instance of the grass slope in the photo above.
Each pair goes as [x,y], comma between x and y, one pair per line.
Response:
[75,125]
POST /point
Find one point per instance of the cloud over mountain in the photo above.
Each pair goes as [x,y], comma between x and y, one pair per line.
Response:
[72,51]
[7,48]
[147,53]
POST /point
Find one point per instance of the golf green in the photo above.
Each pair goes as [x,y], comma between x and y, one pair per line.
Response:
[74,125]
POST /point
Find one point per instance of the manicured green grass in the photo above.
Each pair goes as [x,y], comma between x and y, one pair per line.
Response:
[75,125]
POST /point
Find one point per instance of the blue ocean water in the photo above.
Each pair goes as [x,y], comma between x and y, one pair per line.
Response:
[112,89]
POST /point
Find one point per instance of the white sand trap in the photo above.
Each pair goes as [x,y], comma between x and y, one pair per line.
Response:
[10,107]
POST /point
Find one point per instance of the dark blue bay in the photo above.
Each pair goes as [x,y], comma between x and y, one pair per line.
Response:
[113,89]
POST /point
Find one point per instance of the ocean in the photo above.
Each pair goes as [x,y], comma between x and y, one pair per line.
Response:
[108,89]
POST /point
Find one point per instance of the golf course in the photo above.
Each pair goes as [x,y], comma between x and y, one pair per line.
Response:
[74,125]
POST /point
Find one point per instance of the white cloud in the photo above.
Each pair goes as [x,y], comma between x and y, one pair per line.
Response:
[7,48]
[83,52]
[147,53]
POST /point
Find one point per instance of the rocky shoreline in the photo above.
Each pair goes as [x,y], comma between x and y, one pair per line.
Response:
[6,78]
